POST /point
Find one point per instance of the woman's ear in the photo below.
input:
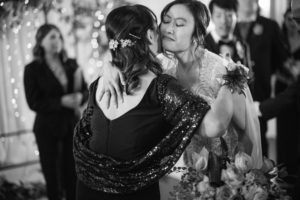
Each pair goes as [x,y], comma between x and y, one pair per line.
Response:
[150,36]
[153,40]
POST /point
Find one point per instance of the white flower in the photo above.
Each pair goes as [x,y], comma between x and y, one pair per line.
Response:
[203,185]
[126,43]
[231,176]
[113,44]
[243,162]
[201,159]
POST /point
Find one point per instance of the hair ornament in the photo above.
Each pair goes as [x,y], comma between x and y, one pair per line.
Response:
[113,44]
[137,37]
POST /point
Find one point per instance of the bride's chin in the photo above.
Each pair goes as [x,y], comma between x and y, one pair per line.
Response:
[168,48]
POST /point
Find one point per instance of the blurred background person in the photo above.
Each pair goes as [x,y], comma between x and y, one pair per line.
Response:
[221,39]
[55,90]
[287,121]
[267,52]
[287,100]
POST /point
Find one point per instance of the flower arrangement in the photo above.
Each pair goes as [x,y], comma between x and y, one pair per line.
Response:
[236,77]
[240,182]
[21,191]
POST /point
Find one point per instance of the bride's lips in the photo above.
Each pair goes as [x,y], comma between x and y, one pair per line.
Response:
[168,38]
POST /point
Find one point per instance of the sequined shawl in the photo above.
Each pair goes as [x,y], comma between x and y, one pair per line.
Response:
[180,108]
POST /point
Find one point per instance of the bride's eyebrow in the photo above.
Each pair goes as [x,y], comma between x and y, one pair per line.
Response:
[168,16]
[181,18]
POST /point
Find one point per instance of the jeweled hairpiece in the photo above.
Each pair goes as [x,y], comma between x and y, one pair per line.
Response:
[113,44]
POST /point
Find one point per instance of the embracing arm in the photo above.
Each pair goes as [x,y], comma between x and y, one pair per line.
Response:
[181,104]
[217,119]
[112,78]
[286,100]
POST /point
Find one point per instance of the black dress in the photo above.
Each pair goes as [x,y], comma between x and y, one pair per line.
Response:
[132,152]
[149,127]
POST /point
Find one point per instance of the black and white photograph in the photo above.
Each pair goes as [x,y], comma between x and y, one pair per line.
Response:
[150,100]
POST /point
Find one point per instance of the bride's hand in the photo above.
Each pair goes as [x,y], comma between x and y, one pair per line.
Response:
[112,76]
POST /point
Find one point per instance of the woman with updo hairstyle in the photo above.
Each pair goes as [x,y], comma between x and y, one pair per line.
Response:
[138,58]
[55,89]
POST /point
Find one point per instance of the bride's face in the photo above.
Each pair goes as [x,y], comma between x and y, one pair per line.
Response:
[177,28]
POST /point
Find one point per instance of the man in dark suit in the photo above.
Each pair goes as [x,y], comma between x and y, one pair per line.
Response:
[267,52]
[288,99]
[220,39]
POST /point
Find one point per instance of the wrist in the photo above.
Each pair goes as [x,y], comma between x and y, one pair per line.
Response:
[257,109]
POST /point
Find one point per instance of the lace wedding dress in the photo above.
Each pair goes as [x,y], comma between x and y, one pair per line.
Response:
[204,82]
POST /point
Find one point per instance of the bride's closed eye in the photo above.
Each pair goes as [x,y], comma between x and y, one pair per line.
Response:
[166,20]
[180,24]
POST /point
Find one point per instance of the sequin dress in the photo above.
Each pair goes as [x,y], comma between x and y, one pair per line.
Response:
[126,157]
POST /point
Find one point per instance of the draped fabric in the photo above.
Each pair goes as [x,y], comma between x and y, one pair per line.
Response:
[16,119]
[100,172]
[252,131]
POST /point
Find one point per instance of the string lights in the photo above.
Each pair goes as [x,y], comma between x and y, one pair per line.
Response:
[17,29]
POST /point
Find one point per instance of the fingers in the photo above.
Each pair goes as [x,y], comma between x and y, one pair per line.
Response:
[107,99]
[113,96]
[101,93]
[118,92]
[122,78]
[117,89]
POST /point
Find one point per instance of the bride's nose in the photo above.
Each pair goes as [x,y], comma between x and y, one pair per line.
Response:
[169,28]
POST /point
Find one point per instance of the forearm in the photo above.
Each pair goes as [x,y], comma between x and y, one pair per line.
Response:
[34,96]
[45,105]
[286,100]
[217,119]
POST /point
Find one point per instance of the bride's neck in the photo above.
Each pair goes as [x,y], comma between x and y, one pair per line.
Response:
[186,58]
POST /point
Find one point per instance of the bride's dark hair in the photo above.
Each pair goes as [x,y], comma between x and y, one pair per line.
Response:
[132,22]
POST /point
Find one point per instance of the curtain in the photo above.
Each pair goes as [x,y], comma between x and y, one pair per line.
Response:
[17,143]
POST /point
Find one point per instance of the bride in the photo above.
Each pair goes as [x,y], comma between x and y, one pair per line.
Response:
[183,25]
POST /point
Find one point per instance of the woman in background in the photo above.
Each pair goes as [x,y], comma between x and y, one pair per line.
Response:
[55,90]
